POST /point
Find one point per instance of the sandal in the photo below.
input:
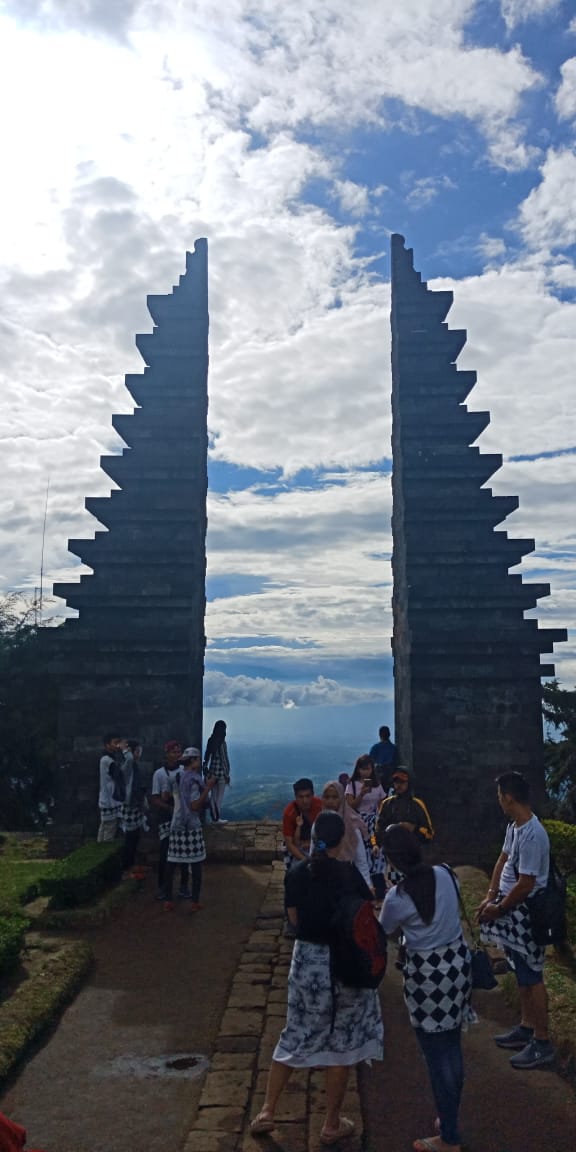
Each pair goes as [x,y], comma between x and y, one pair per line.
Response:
[262,1124]
[430,1144]
[345,1129]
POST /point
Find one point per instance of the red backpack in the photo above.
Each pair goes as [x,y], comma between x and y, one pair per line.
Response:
[358,953]
[12,1136]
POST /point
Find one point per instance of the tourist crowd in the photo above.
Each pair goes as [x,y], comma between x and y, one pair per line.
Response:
[362,839]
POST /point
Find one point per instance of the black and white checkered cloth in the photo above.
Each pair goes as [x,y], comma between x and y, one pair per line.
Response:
[186,846]
[110,813]
[438,986]
[164,829]
[131,818]
[514,931]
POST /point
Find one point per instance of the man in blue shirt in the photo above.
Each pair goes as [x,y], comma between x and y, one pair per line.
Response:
[384,756]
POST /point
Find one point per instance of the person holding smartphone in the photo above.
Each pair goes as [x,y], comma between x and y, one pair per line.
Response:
[364,793]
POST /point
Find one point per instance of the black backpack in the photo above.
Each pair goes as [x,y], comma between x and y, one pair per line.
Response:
[547,909]
[358,951]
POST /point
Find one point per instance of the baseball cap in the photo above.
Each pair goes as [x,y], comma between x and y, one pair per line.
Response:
[191,753]
[172,746]
[400,774]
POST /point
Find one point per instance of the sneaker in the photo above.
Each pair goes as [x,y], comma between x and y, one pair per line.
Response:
[168,906]
[184,894]
[536,1054]
[160,896]
[195,907]
[517,1037]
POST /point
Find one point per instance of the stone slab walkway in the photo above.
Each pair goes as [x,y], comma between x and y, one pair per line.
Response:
[234,1088]
[391,1103]
[216,984]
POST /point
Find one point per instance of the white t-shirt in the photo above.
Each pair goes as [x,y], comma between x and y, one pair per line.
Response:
[399,911]
[371,800]
[528,851]
[162,780]
[106,794]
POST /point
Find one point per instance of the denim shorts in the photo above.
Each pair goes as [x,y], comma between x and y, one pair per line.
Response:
[526,977]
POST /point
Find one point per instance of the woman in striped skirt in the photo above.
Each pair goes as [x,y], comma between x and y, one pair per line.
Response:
[186,844]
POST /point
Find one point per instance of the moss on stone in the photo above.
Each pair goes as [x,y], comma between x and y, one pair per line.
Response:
[37,1003]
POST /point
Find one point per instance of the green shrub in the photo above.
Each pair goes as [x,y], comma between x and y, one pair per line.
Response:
[82,876]
[19,882]
[11,940]
[562,843]
[36,1004]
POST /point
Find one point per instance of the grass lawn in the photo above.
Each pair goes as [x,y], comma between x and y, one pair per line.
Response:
[19,882]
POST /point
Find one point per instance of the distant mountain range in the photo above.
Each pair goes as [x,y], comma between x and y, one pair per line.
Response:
[262,775]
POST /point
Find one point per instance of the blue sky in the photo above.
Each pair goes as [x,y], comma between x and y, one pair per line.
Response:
[297,139]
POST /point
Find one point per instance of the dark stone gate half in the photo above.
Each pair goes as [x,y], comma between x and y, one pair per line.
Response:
[466,663]
[133,660]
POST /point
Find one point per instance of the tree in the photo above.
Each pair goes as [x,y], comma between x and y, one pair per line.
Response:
[559,708]
[28,716]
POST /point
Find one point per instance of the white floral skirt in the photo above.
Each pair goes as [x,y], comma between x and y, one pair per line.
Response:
[322,1031]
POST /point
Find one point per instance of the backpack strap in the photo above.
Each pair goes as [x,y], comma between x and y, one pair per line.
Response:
[461,903]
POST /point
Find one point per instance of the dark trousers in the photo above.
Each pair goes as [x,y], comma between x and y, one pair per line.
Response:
[442,1052]
[129,848]
[193,870]
[162,854]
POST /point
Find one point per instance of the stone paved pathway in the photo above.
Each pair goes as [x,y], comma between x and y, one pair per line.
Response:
[217,984]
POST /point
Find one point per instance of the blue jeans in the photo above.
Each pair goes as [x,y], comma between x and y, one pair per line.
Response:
[442,1052]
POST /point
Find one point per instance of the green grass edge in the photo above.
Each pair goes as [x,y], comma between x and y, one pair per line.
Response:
[37,1004]
[559,976]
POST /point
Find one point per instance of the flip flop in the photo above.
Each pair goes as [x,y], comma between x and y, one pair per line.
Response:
[429,1144]
[346,1129]
[262,1124]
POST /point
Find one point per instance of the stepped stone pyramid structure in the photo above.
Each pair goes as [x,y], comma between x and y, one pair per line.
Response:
[466,662]
[133,660]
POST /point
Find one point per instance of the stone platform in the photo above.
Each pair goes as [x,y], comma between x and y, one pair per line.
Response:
[244,841]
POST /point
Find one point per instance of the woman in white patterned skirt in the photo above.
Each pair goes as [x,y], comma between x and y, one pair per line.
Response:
[186,844]
[437,979]
[329,1025]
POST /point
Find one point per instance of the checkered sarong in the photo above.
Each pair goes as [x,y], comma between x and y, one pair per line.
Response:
[513,931]
[164,829]
[131,818]
[110,813]
[438,986]
[186,845]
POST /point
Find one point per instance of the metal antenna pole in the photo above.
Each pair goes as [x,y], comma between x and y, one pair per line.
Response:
[42,554]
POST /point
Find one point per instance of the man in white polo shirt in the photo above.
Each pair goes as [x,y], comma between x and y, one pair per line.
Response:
[521,869]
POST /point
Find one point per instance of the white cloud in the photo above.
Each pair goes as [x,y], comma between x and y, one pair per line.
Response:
[518,11]
[353,198]
[547,218]
[427,188]
[222,691]
[565,99]
[139,130]
[323,556]
[491,247]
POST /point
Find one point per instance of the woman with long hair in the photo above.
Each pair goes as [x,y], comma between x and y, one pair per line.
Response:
[356,840]
[329,1025]
[217,765]
[364,794]
[437,981]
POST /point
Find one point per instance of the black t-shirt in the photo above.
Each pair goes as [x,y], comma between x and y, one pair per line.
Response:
[315,898]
